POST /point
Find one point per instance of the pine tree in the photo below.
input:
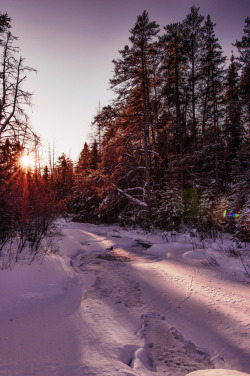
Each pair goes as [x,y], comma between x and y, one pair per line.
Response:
[173,82]
[212,65]
[194,34]
[84,161]
[133,81]
[173,142]
[94,156]
[64,176]
[213,77]
[4,25]
[244,59]
[233,130]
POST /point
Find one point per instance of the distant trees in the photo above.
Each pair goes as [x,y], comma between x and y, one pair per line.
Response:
[63,177]
[28,207]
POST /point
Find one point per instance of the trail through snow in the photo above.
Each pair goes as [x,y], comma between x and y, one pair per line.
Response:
[120,303]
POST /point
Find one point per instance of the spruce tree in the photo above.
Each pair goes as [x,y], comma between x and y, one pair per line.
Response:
[94,156]
[233,130]
[133,81]
[212,67]
[84,161]
[173,82]
[213,77]
[64,176]
[244,59]
[194,34]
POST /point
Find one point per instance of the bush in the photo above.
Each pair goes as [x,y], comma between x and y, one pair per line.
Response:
[28,209]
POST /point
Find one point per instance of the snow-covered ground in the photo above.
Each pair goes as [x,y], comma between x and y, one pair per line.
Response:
[108,304]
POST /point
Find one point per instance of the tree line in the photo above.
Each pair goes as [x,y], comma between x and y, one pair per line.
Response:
[173,146]
[171,150]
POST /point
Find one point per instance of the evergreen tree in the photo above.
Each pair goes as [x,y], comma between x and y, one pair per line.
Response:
[212,65]
[46,174]
[4,24]
[84,161]
[213,76]
[94,156]
[233,130]
[64,176]
[244,59]
[194,34]
[173,81]
[173,143]
[133,81]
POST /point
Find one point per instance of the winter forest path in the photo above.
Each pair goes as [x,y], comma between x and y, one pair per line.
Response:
[141,296]
[125,303]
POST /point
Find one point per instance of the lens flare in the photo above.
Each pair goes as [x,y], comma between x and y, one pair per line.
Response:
[234,215]
[27,161]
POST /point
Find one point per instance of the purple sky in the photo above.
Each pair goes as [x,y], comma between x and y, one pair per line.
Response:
[72,44]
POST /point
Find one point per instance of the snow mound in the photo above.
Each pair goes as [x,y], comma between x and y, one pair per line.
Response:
[217,372]
[27,284]
[169,250]
[198,254]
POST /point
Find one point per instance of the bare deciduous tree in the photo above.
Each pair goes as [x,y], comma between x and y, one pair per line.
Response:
[13,98]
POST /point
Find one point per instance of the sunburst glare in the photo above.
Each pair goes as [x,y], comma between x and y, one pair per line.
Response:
[27,161]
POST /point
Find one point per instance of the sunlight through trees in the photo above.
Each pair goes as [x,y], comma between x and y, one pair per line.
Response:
[171,149]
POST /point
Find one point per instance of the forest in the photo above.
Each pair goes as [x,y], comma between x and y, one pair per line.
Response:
[170,152]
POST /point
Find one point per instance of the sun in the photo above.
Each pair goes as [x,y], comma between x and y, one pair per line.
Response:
[27,161]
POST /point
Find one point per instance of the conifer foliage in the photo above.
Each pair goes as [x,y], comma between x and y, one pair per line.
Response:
[174,143]
[171,149]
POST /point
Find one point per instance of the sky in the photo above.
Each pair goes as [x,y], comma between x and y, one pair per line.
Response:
[71,44]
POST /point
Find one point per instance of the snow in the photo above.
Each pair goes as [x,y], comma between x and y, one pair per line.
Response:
[117,302]
[219,372]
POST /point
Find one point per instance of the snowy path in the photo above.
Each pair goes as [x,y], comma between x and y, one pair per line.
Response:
[109,306]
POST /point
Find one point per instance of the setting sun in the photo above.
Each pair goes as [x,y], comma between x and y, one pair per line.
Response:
[27,161]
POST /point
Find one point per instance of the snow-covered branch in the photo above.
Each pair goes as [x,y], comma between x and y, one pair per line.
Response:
[131,198]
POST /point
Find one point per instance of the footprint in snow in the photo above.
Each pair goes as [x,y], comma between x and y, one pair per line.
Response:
[166,350]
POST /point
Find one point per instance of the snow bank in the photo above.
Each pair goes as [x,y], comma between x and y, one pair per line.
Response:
[217,372]
[37,335]
[163,311]
[170,249]
[29,283]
